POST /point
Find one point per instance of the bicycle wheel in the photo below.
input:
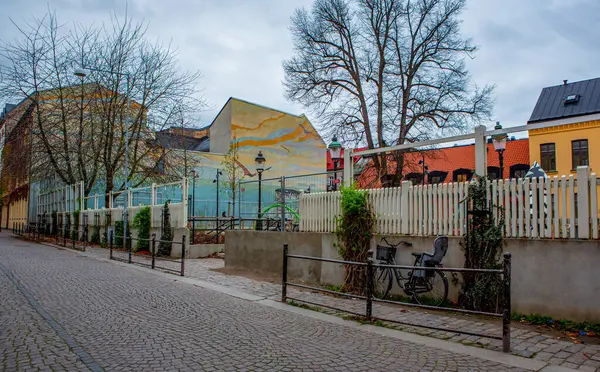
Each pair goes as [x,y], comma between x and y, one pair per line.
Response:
[382,282]
[430,290]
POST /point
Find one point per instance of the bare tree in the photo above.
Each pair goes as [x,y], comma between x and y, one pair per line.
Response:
[83,126]
[233,171]
[385,72]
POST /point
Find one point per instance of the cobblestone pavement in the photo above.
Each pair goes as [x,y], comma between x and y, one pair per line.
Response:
[64,311]
[524,343]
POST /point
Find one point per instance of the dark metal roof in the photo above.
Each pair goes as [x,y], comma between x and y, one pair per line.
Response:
[171,141]
[551,103]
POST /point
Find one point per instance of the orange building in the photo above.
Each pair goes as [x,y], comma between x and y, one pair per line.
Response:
[452,164]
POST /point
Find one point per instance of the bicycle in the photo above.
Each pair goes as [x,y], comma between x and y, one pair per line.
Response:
[426,287]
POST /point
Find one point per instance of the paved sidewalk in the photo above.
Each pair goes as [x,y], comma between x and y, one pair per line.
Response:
[67,311]
[524,343]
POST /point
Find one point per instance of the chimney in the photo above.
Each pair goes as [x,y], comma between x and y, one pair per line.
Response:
[565,82]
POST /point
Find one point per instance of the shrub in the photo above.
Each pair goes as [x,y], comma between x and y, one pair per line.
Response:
[75,232]
[164,247]
[142,222]
[354,232]
[119,235]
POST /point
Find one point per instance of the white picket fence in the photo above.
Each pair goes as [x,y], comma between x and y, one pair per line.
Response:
[559,207]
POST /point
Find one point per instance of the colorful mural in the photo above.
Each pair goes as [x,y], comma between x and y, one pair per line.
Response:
[289,142]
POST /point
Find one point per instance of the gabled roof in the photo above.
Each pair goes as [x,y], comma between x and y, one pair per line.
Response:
[551,103]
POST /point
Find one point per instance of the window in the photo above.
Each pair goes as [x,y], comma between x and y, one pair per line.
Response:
[579,150]
[548,156]
[437,177]
[462,175]
[571,99]
[518,170]
[415,178]
[493,173]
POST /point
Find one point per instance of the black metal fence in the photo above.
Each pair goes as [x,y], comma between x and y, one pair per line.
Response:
[18,228]
[369,298]
[155,260]
[63,234]
[67,236]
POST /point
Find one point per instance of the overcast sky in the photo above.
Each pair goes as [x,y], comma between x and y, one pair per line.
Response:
[239,45]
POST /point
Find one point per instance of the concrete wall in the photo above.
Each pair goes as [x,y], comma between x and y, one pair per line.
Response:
[554,278]
[262,252]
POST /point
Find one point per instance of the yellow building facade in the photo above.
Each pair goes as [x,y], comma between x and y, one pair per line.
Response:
[574,138]
[563,137]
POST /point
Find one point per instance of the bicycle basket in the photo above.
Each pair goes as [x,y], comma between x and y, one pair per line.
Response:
[385,253]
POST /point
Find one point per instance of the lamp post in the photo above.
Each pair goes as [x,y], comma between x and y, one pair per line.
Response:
[194,176]
[82,72]
[499,141]
[335,151]
[425,169]
[216,180]
[260,167]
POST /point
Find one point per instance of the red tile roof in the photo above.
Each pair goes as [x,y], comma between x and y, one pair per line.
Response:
[451,158]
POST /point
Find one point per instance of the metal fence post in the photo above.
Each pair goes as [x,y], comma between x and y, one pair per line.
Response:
[153,249]
[182,255]
[507,306]
[282,202]
[110,243]
[369,289]
[284,274]
[127,246]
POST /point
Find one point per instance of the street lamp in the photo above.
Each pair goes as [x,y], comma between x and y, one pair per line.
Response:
[335,151]
[499,141]
[260,167]
[82,72]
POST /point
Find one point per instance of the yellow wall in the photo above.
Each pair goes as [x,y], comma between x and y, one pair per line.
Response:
[562,136]
[16,212]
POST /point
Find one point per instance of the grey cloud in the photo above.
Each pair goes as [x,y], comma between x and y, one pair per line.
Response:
[239,45]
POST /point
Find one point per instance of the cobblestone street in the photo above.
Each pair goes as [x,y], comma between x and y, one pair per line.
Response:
[63,311]
[525,343]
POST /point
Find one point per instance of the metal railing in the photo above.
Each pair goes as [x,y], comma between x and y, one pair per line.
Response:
[155,260]
[63,234]
[369,297]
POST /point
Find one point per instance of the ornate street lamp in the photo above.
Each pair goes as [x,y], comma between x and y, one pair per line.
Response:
[260,167]
[335,151]
[499,141]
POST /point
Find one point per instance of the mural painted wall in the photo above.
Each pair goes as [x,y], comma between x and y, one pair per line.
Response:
[289,142]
